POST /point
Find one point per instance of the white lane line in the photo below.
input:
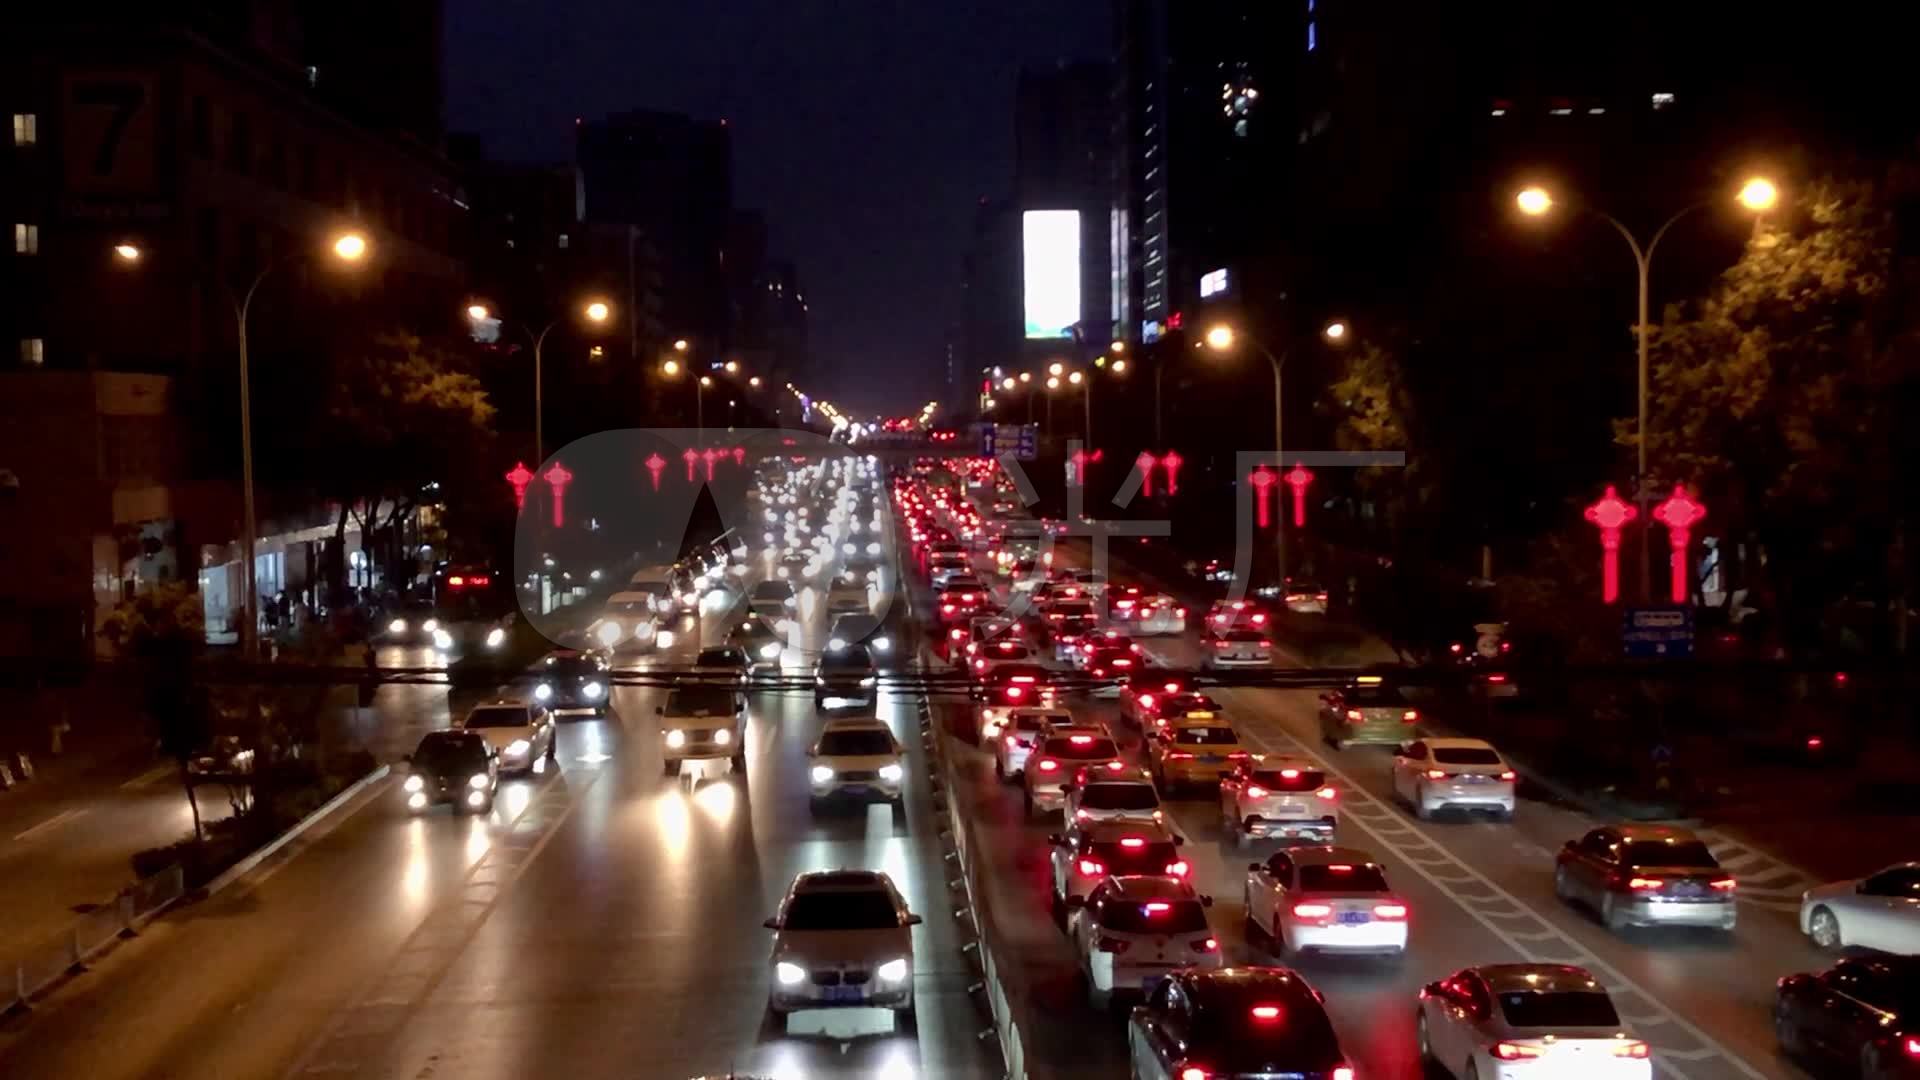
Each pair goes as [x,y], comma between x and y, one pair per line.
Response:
[53,822]
[1486,919]
[152,775]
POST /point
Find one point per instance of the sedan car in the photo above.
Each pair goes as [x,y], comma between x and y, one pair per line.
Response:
[1109,666]
[1227,649]
[1134,930]
[1194,750]
[1225,615]
[1880,911]
[773,599]
[1466,774]
[1325,899]
[855,758]
[1646,875]
[572,683]
[522,732]
[701,723]
[763,644]
[1013,733]
[1304,597]
[1115,791]
[1233,1022]
[1860,1017]
[1086,855]
[1368,711]
[726,665]
[845,678]
[1053,764]
[1157,615]
[1284,797]
[456,767]
[857,628]
[1526,1021]
[843,939]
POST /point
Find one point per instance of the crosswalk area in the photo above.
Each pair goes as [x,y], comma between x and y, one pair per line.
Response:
[1765,881]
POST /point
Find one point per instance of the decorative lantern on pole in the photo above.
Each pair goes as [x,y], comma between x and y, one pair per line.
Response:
[557,478]
[690,456]
[655,463]
[711,455]
[1679,512]
[739,455]
[1145,463]
[1262,481]
[1611,514]
[1298,478]
[1172,461]
[520,476]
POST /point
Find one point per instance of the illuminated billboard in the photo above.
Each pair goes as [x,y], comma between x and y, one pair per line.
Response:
[1050,244]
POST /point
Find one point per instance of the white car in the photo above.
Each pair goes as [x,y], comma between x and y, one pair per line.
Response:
[1159,614]
[1013,733]
[1304,598]
[983,657]
[1056,760]
[1325,899]
[1133,930]
[1114,792]
[1524,1022]
[1468,774]
[1085,856]
[843,939]
[629,622]
[1879,911]
[702,722]
[522,732]
[1237,649]
[855,758]
[859,627]
[1271,796]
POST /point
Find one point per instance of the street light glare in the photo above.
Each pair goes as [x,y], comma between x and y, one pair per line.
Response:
[1118,347]
[706,380]
[1008,383]
[126,252]
[1220,337]
[1119,367]
[1053,382]
[1056,368]
[671,367]
[733,366]
[598,311]
[477,312]
[1074,378]
[1758,193]
[680,345]
[350,246]
[1535,201]
[754,382]
[1026,376]
[1336,331]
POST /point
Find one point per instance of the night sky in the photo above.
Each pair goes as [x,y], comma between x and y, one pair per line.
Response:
[866,130]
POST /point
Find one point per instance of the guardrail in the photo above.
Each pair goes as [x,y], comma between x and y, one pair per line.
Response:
[87,936]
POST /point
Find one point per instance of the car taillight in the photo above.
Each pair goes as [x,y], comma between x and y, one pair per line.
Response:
[1322,597]
[1265,644]
[1506,1051]
[1089,868]
[1815,742]
[1410,716]
[956,633]
[1049,765]
[1258,618]
[1082,815]
[1112,945]
[1195,1072]
[1509,775]
[1255,791]
[1178,868]
[1354,716]
[1312,911]
[1206,945]
[1179,755]
[1634,1048]
[979,664]
[1725,884]
[1015,693]
[1496,678]
[1645,884]
[1080,740]
[1328,794]
[1342,1072]
[1389,911]
[946,609]
[1011,741]
[1436,774]
[1146,701]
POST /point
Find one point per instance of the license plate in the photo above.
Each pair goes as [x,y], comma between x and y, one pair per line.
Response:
[1291,807]
[1473,778]
[844,993]
[1211,759]
[1353,918]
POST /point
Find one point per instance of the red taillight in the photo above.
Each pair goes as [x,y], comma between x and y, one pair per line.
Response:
[1454,648]
[1645,884]
[1354,716]
[1815,742]
[1089,868]
[1509,775]
[1327,793]
[1409,716]
[946,609]
[1322,597]
[979,665]
[956,633]
[1342,1072]
[1023,678]
[1171,688]
[1080,740]
[1266,1012]
[456,580]
[1496,678]
[1049,765]
[1194,1072]
[1116,766]
[1507,1051]
[1132,842]
[1206,945]
[1178,868]
[1312,911]
[1265,644]
[1725,884]
[1157,908]
[1122,662]
[1637,1049]
[1179,755]
[1913,1046]
[1014,693]
[1180,612]
[1436,774]
[1255,791]
[1082,815]
[1389,911]
[1011,741]
[1146,701]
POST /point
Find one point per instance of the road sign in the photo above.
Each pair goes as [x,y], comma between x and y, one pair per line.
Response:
[1021,440]
[1657,633]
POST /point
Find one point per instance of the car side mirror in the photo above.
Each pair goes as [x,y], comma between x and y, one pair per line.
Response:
[1076,902]
[914,920]
[1056,840]
[1254,867]
[773,923]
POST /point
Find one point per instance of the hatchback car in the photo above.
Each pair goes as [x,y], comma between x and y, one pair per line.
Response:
[1525,1021]
[855,758]
[1056,760]
[1226,649]
[1879,911]
[1114,791]
[1013,733]
[456,767]
[1646,875]
[1234,1022]
[572,683]
[845,678]
[1086,855]
[1134,930]
[1860,1017]
[1461,774]
[1278,797]
[522,732]
[843,939]
[861,628]
[1325,899]
[1369,711]
[1225,615]
[1158,614]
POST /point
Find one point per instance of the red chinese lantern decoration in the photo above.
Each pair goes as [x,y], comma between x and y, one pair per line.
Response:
[557,478]
[1611,514]
[1298,478]
[1145,463]
[655,463]
[739,455]
[520,476]
[1172,462]
[712,456]
[690,457]
[1679,513]
[1262,481]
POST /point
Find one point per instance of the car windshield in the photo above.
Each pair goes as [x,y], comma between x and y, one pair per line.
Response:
[1081,748]
[1119,797]
[439,753]
[851,657]
[772,590]
[1465,755]
[841,910]
[502,716]
[856,743]
[1153,916]
[1380,696]
[1342,877]
[701,701]
[1290,779]
[1687,853]
[1558,1009]
[1199,735]
[720,658]
[571,667]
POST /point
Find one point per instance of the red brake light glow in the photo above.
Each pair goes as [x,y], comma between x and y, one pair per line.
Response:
[1132,842]
[1193,1072]
[1509,775]
[1390,911]
[1327,793]
[1178,868]
[1643,884]
[1116,766]
[1725,884]
[1312,911]
[1507,1051]
[1436,774]
[1023,678]
[1636,1049]
[1146,701]
[1014,693]
[1342,1072]
[1355,715]
[1266,1012]
[1158,908]
[1079,740]
[1410,715]
[1089,868]
[1255,791]
[1049,765]
[456,580]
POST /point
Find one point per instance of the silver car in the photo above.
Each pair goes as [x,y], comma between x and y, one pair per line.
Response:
[1879,911]
[843,939]
[1524,1021]
[1646,875]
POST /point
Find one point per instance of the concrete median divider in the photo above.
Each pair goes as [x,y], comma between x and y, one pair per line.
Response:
[266,851]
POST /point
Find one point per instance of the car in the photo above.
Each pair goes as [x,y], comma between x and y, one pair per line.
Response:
[629,622]
[1229,614]
[453,766]
[522,732]
[845,678]
[1093,582]
[1368,711]
[1012,734]
[1860,1017]
[773,599]
[1325,899]
[1158,615]
[410,624]
[1237,649]
[960,599]
[1122,602]
[1434,774]
[1232,1022]
[1270,796]
[1304,597]
[723,664]
[1142,699]
[991,626]
[1646,875]
[1085,855]
[1134,930]
[571,682]
[762,643]
[946,563]
[1115,791]
[1055,759]
[1010,686]
[861,628]
[1110,666]
[1197,749]
[700,723]
[796,567]
[842,939]
[983,660]
[1879,911]
[843,600]
[855,758]
[1522,1021]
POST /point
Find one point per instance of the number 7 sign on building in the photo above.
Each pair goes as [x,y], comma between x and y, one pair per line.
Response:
[108,134]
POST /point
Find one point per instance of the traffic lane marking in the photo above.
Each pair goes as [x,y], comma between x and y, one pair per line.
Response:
[51,823]
[151,776]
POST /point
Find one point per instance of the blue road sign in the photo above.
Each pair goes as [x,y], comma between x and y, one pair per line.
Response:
[1657,633]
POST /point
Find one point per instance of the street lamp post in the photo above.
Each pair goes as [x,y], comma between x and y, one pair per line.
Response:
[594,310]
[1758,194]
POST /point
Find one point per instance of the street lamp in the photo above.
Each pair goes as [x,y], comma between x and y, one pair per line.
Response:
[1117,347]
[1220,337]
[732,366]
[1335,331]
[670,368]
[754,381]
[1053,382]
[1056,368]
[1008,383]
[595,311]
[1758,194]
[477,312]
[680,345]
[347,247]
[1074,378]
[1119,367]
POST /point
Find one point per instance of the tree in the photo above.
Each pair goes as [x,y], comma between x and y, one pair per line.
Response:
[161,630]
[1373,409]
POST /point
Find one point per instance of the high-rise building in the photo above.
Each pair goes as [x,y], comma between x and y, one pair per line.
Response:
[1063,161]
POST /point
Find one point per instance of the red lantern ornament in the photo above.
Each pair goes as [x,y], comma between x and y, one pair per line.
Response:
[1611,514]
[1679,512]
[557,478]
[1145,463]
[690,456]
[1172,462]
[739,455]
[655,463]
[520,476]
[1262,481]
[712,456]
[1298,478]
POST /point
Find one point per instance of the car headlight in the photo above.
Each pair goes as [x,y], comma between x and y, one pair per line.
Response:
[542,692]
[518,747]
[664,639]
[417,801]
[848,548]
[770,651]
[789,974]
[821,774]
[836,644]
[594,690]
[792,602]
[442,640]
[882,644]
[430,625]
[397,626]
[722,737]
[891,773]
[868,681]
[476,798]
[478,781]
[783,572]
[609,633]
[873,548]
[415,783]
[893,970]
[496,637]
[676,739]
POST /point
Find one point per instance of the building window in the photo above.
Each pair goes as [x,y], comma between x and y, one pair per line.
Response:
[26,129]
[33,351]
[563,241]
[26,239]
